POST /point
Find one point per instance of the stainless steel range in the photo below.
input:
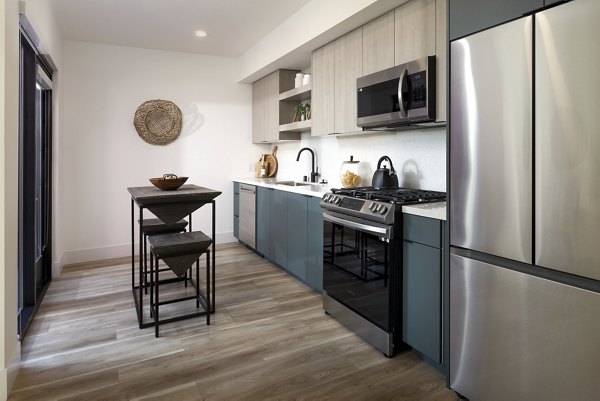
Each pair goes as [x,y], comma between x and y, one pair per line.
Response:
[362,260]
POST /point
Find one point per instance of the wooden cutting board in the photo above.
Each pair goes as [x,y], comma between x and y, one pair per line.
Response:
[270,163]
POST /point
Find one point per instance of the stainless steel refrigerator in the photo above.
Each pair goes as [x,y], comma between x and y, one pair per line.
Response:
[525,208]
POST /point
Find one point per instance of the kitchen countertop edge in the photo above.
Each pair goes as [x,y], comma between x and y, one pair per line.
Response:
[433,210]
[270,183]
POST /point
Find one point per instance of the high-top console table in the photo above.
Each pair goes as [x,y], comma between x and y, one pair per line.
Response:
[170,207]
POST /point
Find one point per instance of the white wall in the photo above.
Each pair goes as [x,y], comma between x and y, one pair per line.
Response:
[9,62]
[419,157]
[102,153]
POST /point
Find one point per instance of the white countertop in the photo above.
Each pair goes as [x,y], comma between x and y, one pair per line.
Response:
[316,190]
[434,210]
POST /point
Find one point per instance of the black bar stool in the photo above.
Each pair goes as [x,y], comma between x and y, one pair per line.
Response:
[156,227]
[179,251]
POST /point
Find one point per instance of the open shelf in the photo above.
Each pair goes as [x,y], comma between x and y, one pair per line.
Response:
[299,94]
[299,126]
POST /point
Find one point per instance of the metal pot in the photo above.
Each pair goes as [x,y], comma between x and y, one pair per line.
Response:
[384,178]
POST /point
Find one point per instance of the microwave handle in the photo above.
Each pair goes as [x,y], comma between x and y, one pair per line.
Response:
[402,87]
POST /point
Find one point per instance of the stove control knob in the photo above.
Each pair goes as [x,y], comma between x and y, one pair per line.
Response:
[383,209]
[330,199]
[325,197]
[337,200]
[374,207]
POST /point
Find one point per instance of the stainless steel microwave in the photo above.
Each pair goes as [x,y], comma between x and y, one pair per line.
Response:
[397,96]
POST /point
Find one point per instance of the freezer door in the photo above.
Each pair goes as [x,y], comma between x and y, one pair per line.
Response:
[567,168]
[491,142]
[518,337]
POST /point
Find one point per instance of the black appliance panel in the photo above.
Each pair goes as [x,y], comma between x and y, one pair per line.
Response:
[357,271]
[380,98]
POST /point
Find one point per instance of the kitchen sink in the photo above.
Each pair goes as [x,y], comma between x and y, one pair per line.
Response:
[294,183]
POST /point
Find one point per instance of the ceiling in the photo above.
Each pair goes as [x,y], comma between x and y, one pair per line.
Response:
[233,26]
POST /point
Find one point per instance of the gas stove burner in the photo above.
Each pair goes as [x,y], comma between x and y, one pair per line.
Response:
[394,195]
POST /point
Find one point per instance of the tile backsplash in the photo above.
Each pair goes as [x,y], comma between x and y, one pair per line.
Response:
[419,156]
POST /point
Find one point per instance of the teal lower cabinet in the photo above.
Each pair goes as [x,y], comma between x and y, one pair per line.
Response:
[315,245]
[422,286]
[422,299]
[279,227]
[297,235]
[289,232]
[236,210]
[263,221]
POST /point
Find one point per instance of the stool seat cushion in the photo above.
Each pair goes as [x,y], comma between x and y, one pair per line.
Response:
[179,244]
[157,226]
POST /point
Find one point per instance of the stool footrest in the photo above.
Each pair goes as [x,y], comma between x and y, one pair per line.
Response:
[172,301]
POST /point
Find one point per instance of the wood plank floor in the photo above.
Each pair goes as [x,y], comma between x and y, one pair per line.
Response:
[268,340]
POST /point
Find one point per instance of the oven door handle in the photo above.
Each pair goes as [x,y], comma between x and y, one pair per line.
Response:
[384,232]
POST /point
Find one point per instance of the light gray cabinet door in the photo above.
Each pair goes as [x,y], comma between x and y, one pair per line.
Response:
[297,235]
[279,227]
[469,16]
[323,91]
[378,44]
[348,67]
[315,244]
[415,30]
[271,107]
[258,111]
[491,142]
[263,221]
[567,144]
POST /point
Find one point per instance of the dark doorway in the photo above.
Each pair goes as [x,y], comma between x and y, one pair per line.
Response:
[35,182]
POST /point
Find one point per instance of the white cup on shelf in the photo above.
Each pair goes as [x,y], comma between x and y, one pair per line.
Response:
[306,79]
[298,80]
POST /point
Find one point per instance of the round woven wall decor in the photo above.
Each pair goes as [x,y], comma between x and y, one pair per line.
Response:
[158,122]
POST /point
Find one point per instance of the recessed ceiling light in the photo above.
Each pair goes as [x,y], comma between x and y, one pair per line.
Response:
[200,34]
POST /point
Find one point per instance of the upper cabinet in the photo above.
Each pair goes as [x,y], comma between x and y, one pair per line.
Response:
[420,31]
[348,67]
[441,43]
[378,44]
[470,16]
[267,112]
[415,30]
[335,69]
[323,92]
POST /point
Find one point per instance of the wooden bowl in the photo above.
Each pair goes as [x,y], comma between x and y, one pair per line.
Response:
[168,182]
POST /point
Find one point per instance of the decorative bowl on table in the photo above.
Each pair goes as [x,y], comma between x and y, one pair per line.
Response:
[168,182]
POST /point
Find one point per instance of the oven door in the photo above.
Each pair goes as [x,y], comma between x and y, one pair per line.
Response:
[357,266]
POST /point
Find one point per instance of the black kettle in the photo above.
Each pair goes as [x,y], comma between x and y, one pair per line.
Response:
[384,178]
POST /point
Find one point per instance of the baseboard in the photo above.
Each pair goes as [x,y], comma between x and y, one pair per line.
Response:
[57,266]
[9,374]
[114,251]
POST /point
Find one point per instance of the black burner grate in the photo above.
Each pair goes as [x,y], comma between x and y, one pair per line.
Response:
[393,195]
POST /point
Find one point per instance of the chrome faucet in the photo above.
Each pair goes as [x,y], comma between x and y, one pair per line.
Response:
[313,173]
